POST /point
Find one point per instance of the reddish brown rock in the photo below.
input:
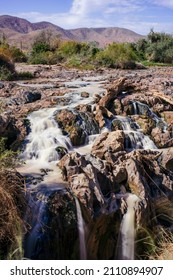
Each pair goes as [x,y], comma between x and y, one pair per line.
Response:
[108,142]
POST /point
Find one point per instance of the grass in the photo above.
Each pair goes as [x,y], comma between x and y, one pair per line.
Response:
[12,205]
[25,75]
[156,64]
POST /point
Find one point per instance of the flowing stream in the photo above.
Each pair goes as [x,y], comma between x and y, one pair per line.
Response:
[41,157]
[81,229]
[135,139]
[127,229]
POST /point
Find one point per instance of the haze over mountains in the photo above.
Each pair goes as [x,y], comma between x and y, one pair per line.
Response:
[19,32]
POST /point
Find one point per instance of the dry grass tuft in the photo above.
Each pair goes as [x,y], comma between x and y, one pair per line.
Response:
[11,205]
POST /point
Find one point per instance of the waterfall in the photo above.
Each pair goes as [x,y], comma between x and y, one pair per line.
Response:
[44,138]
[133,135]
[36,220]
[42,151]
[81,230]
[127,230]
[143,109]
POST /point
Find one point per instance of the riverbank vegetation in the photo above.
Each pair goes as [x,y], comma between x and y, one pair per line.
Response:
[154,50]
[12,205]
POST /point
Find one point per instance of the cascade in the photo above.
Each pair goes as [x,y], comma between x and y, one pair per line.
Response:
[37,221]
[44,138]
[135,139]
[41,151]
[81,230]
[126,247]
[143,109]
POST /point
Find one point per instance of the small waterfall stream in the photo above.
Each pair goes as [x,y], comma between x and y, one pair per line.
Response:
[143,109]
[81,230]
[135,139]
[127,230]
[44,138]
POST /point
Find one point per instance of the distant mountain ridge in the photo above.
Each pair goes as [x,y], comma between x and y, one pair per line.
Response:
[19,30]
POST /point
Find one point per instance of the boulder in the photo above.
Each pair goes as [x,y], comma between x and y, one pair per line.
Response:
[112,92]
[108,142]
[162,139]
[24,98]
[168,116]
[77,124]
[89,179]
[167,158]
[85,94]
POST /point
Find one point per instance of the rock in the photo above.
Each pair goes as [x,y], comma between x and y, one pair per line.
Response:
[8,129]
[68,121]
[112,92]
[89,178]
[24,98]
[85,94]
[80,186]
[116,125]
[119,173]
[168,116]
[100,113]
[1,85]
[167,159]
[78,125]
[162,139]
[117,107]
[108,142]
[145,123]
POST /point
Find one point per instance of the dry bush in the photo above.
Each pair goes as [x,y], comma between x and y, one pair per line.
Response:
[12,205]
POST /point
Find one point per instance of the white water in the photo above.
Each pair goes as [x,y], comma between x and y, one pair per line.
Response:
[137,106]
[127,229]
[137,138]
[81,230]
[44,138]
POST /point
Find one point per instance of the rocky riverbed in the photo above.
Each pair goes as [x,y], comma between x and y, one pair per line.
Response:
[110,133]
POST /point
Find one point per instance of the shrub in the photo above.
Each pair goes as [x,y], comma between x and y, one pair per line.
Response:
[17,54]
[11,205]
[157,47]
[25,75]
[7,69]
[118,56]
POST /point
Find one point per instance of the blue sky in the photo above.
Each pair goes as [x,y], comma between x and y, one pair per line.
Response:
[139,16]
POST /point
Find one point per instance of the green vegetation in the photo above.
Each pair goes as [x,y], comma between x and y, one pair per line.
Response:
[25,75]
[156,48]
[117,55]
[7,70]
[8,56]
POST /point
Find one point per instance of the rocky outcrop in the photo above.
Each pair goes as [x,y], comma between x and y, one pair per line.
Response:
[77,124]
[145,123]
[8,129]
[24,98]
[112,92]
[89,179]
[167,159]
[162,139]
[108,143]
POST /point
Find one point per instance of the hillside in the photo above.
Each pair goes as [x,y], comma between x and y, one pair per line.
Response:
[22,32]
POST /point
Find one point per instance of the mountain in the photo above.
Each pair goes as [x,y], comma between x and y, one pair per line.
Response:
[19,31]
